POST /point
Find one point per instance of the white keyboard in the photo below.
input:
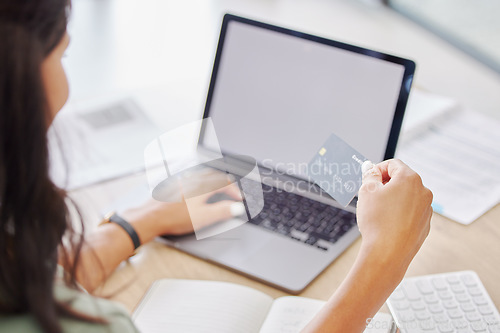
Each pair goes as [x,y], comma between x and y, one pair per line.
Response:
[445,303]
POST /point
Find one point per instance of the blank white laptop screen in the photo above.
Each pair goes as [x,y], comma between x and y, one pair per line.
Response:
[278,97]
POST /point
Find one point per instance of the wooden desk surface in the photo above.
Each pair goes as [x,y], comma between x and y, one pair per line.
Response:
[449,247]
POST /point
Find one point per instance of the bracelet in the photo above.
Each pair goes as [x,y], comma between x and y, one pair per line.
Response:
[115,218]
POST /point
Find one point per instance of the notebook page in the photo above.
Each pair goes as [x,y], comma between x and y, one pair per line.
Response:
[291,314]
[187,306]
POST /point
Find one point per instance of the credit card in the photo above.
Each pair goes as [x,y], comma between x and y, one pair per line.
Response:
[336,168]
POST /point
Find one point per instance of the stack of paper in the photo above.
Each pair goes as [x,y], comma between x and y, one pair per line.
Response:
[457,153]
[94,143]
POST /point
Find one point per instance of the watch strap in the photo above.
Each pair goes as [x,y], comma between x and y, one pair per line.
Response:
[115,218]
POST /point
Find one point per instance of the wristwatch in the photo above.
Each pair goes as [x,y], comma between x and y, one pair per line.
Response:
[112,217]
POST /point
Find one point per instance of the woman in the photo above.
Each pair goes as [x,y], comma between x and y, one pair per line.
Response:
[37,295]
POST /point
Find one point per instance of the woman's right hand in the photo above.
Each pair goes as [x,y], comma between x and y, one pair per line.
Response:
[393,212]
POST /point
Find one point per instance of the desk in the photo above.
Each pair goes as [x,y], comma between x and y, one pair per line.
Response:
[177,39]
[449,247]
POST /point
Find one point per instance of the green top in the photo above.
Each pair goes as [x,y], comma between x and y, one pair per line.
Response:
[117,317]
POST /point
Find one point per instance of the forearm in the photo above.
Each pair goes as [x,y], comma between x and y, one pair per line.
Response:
[106,248]
[370,281]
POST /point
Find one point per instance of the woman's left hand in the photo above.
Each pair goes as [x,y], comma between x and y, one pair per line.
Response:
[156,218]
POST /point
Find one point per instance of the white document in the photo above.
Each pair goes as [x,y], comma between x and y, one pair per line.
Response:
[458,158]
[95,143]
[189,306]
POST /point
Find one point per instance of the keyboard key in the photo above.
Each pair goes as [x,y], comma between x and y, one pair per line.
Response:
[431,299]
[485,310]
[437,308]
[418,305]
[460,323]
[411,291]
[445,295]
[427,325]
[402,305]
[439,283]
[461,298]
[398,294]
[494,329]
[440,318]
[475,291]
[422,315]
[455,313]
[424,287]
[468,279]
[479,326]
[463,330]
[473,316]
[406,316]
[457,288]
[446,328]
[467,307]
[491,320]
[412,328]
[450,304]
[480,300]
[298,234]
[311,240]
[452,279]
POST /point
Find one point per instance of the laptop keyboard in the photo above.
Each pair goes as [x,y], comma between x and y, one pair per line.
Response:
[303,219]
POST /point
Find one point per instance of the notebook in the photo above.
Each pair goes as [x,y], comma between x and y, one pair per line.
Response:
[210,306]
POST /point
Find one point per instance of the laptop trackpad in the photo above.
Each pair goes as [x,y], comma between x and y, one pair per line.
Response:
[235,245]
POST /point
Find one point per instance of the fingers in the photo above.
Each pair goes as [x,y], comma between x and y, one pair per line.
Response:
[237,209]
[232,190]
[224,210]
[372,178]
[392,169]
[371,173]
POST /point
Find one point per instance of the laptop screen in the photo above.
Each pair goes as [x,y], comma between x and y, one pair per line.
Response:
[277,95]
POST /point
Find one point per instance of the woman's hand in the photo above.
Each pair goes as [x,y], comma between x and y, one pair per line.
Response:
[179,218]
[393,212]
[110,244]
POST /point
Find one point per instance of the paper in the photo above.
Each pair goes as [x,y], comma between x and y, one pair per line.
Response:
[186,306]
[336,168]
[291,314]
[458,158]
[98,143]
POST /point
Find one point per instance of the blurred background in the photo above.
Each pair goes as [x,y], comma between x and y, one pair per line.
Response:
[161,51]
[155,58]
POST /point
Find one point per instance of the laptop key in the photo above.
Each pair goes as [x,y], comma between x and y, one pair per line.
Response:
[311,240]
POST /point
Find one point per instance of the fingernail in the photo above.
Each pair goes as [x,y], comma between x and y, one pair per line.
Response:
[237,209]
[367,165]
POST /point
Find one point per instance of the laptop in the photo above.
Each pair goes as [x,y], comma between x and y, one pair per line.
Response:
[276,95]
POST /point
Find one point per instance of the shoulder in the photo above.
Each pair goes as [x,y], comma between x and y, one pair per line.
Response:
[117,318]
[113,313]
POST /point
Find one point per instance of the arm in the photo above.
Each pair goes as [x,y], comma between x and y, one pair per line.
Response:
[109,245]
[394,219]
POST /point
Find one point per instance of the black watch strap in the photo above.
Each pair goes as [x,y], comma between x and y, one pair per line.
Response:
[128,228]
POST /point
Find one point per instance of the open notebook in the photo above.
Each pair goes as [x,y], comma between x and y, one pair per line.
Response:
[187,306]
